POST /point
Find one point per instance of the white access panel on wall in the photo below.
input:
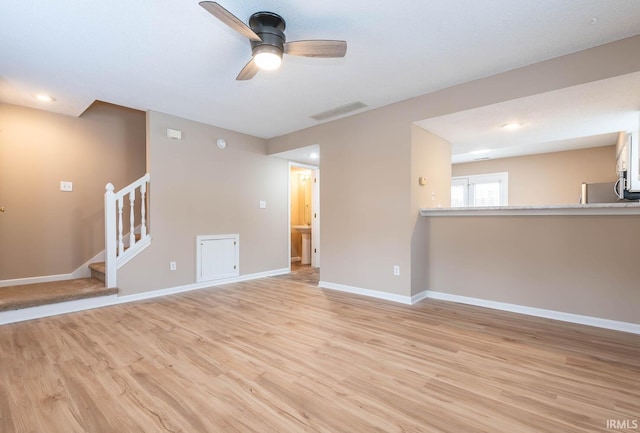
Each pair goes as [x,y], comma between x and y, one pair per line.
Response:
[217,256]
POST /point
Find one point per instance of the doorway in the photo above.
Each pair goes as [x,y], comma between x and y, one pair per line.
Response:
[304,215]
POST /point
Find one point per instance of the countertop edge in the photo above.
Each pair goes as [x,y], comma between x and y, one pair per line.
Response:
[577,209]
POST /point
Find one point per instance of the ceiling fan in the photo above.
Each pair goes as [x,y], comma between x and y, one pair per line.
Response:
[268,43]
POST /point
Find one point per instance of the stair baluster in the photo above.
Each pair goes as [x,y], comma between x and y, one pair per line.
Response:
[120,237]
[132,202]
[115,253]
[143,211]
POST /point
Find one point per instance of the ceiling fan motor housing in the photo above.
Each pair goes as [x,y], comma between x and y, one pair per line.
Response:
[270,27]
[265,32]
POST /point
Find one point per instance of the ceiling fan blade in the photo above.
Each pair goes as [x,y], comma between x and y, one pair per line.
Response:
[316,48]
[248,72]
[229,19]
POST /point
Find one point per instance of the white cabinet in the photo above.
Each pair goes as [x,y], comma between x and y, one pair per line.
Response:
[217,257]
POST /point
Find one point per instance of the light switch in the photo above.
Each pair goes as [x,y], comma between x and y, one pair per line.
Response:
[263,204]
[66,186]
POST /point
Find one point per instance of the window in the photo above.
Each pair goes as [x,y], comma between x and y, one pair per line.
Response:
[480,190]
[459,192]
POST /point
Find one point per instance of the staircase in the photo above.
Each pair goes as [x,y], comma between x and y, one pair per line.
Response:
[99,269]
[119,249]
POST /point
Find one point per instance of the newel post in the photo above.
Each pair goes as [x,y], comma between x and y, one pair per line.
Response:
[110,237]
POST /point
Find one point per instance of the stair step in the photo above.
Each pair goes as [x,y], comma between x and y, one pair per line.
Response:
[98,271]
[33,295]
[97,266]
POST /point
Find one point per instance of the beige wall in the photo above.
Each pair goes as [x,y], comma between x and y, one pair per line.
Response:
[366,163]
[198,189]
[45,231]
[576,264]
[365,203]
[430,158]
[548,178]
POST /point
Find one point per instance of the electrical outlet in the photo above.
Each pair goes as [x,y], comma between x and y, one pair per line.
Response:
[396,270]
[172,266]
[66,186]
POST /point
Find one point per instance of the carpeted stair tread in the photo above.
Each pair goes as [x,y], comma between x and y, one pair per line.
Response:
[97,266]
[98,271]
[33,295]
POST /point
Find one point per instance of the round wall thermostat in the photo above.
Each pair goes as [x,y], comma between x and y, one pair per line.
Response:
[221,143]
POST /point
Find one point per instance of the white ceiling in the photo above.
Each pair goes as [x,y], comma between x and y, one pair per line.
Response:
[174,57]
[308,155]
[589,115]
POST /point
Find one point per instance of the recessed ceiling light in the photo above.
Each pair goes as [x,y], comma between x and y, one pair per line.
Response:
[313,156]
[513,125]
[480,152]
[44,98]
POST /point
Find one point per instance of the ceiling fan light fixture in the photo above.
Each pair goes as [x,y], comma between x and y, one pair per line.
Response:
[267,57]
[268,42]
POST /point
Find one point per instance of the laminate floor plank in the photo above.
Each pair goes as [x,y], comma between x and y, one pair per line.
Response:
[280,355]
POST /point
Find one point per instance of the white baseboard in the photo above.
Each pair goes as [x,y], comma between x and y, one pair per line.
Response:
[82,272]
[13,316]
[296,259]
[538,312]
[366,292]
[35,280]
[419,297]
[633,328]
[198,286]
[41,311]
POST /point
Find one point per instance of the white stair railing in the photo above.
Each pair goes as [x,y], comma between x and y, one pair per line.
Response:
[120,247]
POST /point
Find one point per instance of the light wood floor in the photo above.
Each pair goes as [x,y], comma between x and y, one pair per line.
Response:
[277,355]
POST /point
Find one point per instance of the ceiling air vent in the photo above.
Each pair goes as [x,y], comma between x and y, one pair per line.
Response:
[338,111]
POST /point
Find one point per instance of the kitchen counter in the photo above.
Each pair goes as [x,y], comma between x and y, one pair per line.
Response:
[629,208]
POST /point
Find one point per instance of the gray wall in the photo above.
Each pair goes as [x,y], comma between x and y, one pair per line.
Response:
[576,264]
[198,189]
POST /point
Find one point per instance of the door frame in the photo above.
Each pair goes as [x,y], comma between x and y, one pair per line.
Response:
[315,219]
